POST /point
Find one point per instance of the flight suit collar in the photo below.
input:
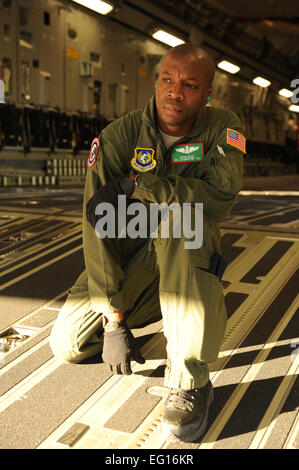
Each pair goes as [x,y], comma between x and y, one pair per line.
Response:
[150,141]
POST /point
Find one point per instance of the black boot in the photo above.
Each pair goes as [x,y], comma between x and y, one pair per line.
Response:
[186,412]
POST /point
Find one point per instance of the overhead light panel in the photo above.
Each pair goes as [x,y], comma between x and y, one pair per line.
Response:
[294,108]
[228,66]
[261,82]
[167,38]
[286,93]
[96,5]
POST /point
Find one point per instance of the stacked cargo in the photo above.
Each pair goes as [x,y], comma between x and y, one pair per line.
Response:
[55,142]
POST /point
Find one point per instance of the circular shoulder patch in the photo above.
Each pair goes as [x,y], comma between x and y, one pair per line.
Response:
[94,150]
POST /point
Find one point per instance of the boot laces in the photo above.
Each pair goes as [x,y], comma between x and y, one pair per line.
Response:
[184,400]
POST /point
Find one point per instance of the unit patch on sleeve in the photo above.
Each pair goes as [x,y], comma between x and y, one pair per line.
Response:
[185,153]
[94,150]
[236,139]
[143,159]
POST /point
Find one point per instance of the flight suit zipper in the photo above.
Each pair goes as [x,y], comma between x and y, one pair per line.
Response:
[161,150]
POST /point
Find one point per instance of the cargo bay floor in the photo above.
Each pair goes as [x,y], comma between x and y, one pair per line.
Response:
[48,405]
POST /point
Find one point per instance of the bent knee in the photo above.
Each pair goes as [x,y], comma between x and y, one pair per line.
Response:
[61,352]
[64,356]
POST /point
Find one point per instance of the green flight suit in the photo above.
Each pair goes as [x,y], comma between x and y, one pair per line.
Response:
[147,278]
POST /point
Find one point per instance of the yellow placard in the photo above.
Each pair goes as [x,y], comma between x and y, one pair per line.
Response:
[72,53]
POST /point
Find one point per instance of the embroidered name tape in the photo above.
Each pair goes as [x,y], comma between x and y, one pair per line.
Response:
[143,159]
[94,150]
[236,139]
[185,153]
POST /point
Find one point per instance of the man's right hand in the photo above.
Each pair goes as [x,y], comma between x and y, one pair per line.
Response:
[119,348]
[109,193]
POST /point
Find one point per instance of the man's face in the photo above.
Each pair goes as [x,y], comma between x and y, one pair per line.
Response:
[182,89]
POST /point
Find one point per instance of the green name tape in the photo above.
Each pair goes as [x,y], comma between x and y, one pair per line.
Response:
[185,153]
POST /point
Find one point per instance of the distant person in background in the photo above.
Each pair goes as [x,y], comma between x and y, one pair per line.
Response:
[176,149]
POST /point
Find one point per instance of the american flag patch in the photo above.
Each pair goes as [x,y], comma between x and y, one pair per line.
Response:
[236,139]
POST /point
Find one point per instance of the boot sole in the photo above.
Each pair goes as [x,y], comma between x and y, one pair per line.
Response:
[191,432]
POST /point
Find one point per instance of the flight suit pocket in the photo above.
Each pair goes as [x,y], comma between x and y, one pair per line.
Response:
[207,300]
[222,170]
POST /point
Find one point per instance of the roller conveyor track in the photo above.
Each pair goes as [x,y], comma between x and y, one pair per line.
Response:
[48,405]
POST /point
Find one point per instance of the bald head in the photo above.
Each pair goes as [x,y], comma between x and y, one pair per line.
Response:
[183,87]
[195,53]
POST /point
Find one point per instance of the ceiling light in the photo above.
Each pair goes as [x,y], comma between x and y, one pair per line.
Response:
[293,108]
[261,82]
[286,93]
[96,5]
[228,66]
[167,38]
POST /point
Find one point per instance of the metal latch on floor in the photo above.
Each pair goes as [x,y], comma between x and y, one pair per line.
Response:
[11,341]
[20,237]
[14,336]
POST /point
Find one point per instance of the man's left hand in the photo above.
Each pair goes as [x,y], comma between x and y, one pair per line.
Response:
[119,349]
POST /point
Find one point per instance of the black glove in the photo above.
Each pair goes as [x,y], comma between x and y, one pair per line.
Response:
[119,348]
[108,193]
